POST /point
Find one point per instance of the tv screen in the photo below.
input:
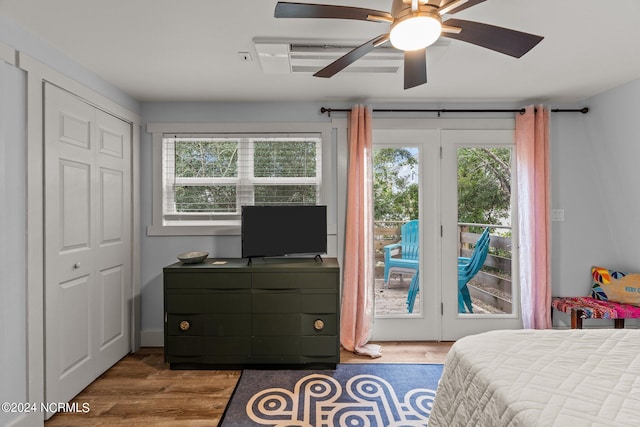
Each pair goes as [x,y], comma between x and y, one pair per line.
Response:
[283,230]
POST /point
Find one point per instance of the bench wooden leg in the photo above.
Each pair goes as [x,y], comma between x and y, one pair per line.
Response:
[576,319]
[618,323]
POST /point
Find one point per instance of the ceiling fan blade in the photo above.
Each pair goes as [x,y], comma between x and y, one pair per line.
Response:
[463,6]
[503,40]
[415,68]
[351,57]
[307,10]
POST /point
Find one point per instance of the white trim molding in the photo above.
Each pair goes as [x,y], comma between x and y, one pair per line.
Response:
[7,54]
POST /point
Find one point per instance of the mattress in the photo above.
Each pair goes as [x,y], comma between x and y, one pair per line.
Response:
[563,378]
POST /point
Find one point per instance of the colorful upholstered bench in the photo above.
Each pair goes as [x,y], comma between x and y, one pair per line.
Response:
[590,308]
[614,295]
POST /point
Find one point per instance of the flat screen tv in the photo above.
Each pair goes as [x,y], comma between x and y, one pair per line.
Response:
[276,230]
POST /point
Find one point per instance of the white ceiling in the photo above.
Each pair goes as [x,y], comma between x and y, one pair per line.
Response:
[187,50]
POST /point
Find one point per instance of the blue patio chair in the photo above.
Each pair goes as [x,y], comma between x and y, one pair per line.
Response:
[408,248]
[413,291]
[468,268]
[462,261]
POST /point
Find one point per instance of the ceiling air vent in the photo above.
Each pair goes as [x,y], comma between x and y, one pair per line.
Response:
[309,57]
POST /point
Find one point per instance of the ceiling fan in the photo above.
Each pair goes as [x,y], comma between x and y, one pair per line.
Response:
[415,25]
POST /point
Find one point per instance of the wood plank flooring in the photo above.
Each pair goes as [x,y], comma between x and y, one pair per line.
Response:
[141,389]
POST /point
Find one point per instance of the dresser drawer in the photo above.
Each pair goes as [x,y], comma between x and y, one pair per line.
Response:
[214,325]
[186,301]
[294,324]
[275,302]
[319,303]
[319,346]
[287,345]
[286,301]
[205,280]
[294,280]
[296,346]
[209,346]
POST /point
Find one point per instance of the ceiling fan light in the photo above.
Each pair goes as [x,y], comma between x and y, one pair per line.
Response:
[415,32]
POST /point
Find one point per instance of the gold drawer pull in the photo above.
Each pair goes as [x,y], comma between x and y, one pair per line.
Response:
[318,325]
[185,325]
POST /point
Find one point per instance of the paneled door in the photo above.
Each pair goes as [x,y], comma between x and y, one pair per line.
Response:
[87,224]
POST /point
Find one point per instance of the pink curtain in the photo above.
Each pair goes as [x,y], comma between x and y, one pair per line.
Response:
[357,289]
[532,148]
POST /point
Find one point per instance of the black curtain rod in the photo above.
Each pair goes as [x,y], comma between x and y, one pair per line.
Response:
[323,110]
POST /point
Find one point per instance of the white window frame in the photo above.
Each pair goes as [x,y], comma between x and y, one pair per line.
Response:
[226,224]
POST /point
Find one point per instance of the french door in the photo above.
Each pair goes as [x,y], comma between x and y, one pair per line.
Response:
[450,219]
[493,290]
[394,319]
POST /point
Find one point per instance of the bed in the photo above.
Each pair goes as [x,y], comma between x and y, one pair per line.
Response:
[541,378]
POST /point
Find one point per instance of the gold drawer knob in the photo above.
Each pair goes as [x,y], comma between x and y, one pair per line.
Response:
[185,325]
[318,325]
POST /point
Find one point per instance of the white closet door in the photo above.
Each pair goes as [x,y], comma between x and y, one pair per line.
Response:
[87,242]
[113,240]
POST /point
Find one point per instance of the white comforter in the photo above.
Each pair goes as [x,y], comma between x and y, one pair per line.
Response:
[541,378]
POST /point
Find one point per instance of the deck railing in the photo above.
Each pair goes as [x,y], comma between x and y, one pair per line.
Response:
[492,285]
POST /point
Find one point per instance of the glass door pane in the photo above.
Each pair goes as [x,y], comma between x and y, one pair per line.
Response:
[396,232]
[484,230]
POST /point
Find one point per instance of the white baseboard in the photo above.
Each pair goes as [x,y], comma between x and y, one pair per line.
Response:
[27,420]
[152,338]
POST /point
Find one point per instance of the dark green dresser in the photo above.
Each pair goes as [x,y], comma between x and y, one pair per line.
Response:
[224,313]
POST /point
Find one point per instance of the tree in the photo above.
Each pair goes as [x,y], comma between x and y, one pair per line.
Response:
[200,161]
[395,183]
[484,185]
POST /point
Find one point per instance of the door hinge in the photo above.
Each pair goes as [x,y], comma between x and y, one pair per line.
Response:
[441,231]
[441,152]
[441,309]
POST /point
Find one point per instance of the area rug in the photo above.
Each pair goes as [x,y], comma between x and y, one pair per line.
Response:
[351,395]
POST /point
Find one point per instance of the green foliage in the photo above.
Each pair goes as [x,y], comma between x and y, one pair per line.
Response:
[285,194]
[284,159]
[206,158]
[221,158]
[218,198]
[395,184]
[484,185]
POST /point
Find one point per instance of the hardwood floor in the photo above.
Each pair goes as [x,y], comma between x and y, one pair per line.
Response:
[141,389]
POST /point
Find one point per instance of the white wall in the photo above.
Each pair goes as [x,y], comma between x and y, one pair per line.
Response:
[13,380]
[595,177]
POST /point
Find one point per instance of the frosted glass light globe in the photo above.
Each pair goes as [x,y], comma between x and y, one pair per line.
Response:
[415,32]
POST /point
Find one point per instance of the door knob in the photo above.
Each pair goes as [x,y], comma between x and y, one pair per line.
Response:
[76,265]
[185,325]
[318,325]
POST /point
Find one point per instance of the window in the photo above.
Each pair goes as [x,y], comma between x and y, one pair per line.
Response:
[206,177]
[211,177]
